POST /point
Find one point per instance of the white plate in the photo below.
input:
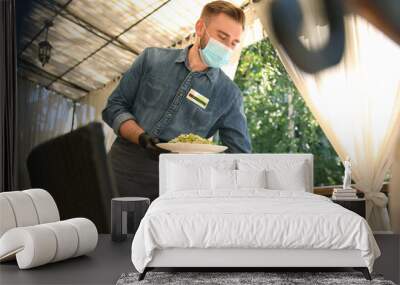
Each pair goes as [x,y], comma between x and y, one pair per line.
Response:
[192,147]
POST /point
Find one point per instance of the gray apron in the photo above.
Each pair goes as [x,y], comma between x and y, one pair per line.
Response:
[136,175]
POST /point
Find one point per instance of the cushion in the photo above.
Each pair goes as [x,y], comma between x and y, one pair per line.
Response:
[251,178]
[87,234]
[223,179]
[292,175]
[40,244]
[45,205]
[26,208]
[23,208]
[293,180]
[32,246]
[182,177]
[7,218]
[66,237]
[227,179]
[200,162]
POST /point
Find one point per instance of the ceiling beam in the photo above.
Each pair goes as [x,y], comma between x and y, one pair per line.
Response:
[109,41]
[61,8]
[47,75]
[72,17]
[51,89]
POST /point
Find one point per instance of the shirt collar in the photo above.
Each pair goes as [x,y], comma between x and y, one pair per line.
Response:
[211,72]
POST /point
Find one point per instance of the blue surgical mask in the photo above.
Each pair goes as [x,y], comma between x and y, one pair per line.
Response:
[215,54]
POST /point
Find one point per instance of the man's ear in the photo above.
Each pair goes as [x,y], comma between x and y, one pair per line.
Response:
[199,27]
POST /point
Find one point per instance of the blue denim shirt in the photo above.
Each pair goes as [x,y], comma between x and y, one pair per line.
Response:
[153,93]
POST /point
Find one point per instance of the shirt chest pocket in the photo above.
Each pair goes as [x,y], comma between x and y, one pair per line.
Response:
[201,119]
[154,91]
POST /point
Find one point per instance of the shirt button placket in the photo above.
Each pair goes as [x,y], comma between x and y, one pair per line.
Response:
[173,108]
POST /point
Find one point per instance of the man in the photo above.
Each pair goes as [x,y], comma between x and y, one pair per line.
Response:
[168,92]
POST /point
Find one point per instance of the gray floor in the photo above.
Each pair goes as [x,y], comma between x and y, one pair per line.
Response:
[388,264]
[111,259]
[102,266]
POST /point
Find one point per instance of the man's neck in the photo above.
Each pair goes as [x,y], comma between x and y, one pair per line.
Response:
[195,62]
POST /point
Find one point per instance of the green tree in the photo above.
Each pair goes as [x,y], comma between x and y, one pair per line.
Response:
[278,119]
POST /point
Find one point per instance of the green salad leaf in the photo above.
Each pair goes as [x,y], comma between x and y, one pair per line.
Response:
[190,138]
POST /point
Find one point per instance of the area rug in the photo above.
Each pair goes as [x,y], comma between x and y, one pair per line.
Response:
[244,278]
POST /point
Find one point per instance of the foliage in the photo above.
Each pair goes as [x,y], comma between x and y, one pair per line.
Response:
[278,119]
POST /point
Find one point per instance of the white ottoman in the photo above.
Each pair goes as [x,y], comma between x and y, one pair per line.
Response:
[31,233]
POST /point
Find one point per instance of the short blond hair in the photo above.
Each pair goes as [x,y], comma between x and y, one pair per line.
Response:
[216,7]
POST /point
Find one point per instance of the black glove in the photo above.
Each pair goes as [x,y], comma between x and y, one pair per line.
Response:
[150,144]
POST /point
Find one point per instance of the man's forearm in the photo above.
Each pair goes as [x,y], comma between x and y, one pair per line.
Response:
[130,130]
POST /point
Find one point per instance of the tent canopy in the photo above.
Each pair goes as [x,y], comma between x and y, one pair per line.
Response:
[94,42]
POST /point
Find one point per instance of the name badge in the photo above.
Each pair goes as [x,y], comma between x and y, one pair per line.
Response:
[197,98]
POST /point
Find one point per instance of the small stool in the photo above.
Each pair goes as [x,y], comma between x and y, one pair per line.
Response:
[126,214]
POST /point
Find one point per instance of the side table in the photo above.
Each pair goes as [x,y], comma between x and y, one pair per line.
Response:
[355,205]
[126,214]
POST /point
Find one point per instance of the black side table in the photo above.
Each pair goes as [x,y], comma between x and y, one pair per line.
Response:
[126,214]
[355,205]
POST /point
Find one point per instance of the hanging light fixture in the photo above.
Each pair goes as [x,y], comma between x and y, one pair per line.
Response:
[44,46]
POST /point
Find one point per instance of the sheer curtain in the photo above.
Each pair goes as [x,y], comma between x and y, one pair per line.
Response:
[357,103]
[42,115]
[8,98]
[394,194]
